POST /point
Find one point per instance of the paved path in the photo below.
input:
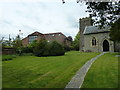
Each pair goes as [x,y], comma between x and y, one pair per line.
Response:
[77,80]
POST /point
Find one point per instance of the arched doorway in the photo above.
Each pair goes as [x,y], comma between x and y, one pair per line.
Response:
[105,45]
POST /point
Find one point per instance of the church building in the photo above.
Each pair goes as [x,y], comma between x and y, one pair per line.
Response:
[93,39]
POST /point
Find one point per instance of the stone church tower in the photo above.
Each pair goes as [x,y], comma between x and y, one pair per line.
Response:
[82,24]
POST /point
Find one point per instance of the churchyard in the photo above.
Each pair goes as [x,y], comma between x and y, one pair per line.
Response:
[56,71]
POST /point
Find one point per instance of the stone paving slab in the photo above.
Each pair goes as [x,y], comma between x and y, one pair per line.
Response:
[77,80]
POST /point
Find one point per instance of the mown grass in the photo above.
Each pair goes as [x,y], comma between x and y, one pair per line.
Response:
[43,72]
[103,73]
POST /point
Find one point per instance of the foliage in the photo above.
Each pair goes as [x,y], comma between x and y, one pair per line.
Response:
[115,31]
[56,49]
[17,44]
[75,43]
[29,48]
[67,48]
[27,54]
[40,47]
[44,48]
[32,44]
[104,12]
[43,72]
[7,43]
[8,57]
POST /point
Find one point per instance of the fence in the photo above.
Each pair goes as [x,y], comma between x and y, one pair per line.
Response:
[6,51]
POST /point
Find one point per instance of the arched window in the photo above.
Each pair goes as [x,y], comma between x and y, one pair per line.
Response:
[94,41]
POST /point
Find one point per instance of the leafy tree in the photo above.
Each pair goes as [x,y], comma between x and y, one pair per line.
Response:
[76,41]
[17,44]
[115,31]
[40,47]
[105,13]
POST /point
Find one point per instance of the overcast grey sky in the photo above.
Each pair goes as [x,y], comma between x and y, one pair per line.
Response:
[45,16]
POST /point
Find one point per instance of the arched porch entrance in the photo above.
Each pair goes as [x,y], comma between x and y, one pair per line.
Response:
[105,45]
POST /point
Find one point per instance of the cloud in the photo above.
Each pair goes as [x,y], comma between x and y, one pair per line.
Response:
[45,17]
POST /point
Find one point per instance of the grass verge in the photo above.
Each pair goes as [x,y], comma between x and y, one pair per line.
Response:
[103,72]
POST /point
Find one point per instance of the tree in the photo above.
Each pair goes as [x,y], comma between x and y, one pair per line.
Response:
[76,41]
[1,40]
[105,13]
[115,31]
[17,44]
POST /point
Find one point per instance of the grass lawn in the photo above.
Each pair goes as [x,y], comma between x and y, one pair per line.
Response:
[43,72]
[103,73]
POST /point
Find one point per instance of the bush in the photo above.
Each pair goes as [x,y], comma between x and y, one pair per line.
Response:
[67,48]
[27,54]
[47,49]
[43,48]
[27,49]
[40,48]
[8,57]
[56,49]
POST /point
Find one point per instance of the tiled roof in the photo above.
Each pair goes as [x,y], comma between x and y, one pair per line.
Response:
[95,29]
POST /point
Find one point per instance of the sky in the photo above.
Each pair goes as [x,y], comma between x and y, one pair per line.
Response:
[44,16]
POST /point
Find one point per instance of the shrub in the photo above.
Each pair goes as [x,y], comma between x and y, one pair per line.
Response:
[8,57]
[40,48]
[56,49]
[67,48]
[27,49]
[47,49]
[44,48]
[27,54]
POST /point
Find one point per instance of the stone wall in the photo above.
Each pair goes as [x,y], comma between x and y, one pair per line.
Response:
[100,37]
[82,24]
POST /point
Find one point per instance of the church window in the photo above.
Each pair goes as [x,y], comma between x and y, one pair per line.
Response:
[94,41]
